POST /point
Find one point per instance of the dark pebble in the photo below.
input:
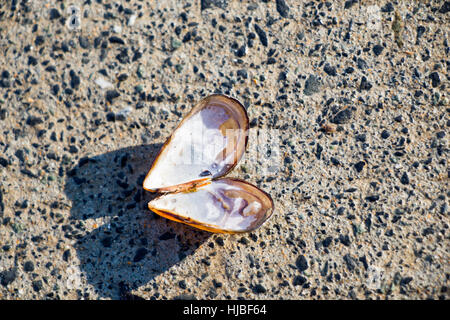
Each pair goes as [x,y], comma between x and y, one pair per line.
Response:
[312,85]
[435,80]
[54,14]
[398,118]
[32,61]
[207,4]
[445,7]
[4,162]
[28,266]
[440,134]
[84,42]
[326,243]
[33,121]
[387,8]
[115,39]
[8,276]
[301,263]
[385,134]
[404,179]
[299,281]
[182,284]
[111,95]
[140,254]
[331,71]
[377,49]
[110,117]
[39,40]
[75,81]
[259,288]
[365,84]
[242,73]
[242,51]
[66,255]
[373,198]
[262,35]
[359,166]
[342,116]
[350,262]
[37,285]
[282,8]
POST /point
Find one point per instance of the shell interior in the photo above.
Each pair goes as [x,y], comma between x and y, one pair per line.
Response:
[224,205]
[204,147]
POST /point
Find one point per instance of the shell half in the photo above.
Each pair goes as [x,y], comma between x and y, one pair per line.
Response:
[225,205]
[206,145]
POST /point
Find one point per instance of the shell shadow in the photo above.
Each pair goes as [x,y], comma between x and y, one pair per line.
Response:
[129,245]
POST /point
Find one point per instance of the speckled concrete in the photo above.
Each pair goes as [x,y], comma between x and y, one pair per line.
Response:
[356,92]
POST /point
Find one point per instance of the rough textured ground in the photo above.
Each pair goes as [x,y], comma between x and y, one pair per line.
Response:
[356,93]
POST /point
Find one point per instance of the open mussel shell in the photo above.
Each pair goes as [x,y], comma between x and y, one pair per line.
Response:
[225,205]
[206,145]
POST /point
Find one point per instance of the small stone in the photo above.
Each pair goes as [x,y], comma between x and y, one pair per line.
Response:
[262,35]
[385,134]
[377,49]
[440,134]
[102,83]
[175,43]
[111,95]
[326,243]
[387,8]
[75,81]
[404,179]
[39,40]
[282,8]
[445,7]
[28,266]
[33,121]
[116,40]
[373,198]
[207,4]
[301,263]
[359,166]
[110,117]
[350,262]
[242,73]
[365,85]
[84,42]
[66,255]
[182,284]
[8,276]
[342,116]
[259,288]
[435,80]
[312,85]
[54,14]
[242,51]
[32,61]
[37,285]
[331,71]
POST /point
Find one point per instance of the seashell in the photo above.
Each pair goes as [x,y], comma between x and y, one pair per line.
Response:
[188,171]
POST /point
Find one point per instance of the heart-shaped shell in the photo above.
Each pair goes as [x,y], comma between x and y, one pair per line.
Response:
[204,147]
